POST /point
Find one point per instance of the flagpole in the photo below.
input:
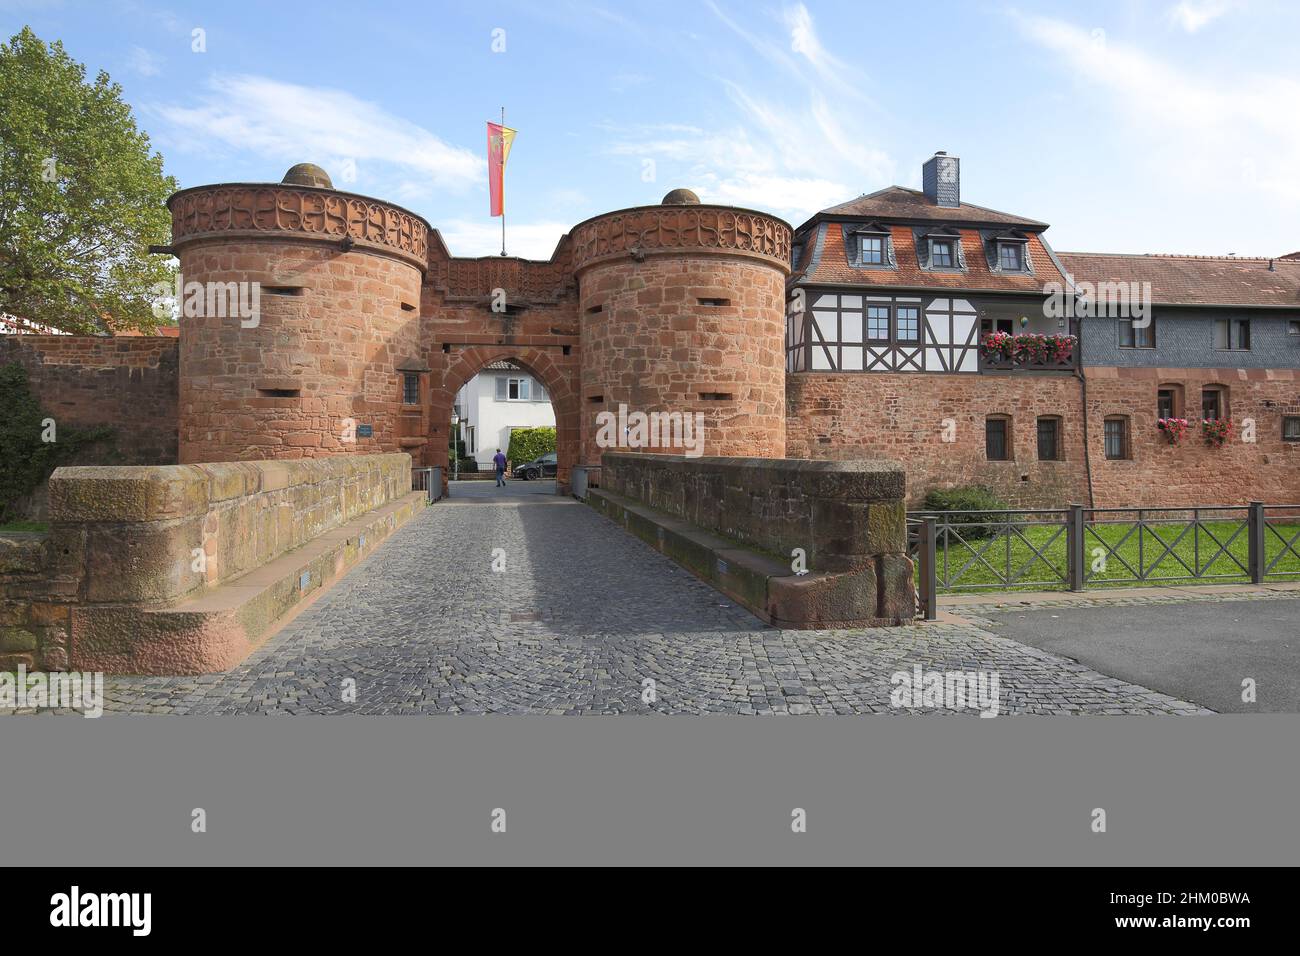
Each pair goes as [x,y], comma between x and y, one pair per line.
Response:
[503,185]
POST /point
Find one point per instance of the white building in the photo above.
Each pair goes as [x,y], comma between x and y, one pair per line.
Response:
[498,399]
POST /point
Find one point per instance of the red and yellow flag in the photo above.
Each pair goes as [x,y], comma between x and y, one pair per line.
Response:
[499,140]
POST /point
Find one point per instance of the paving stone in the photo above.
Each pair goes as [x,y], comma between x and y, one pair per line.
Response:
[583,614]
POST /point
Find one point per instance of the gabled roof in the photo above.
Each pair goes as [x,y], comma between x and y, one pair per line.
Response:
[1195,280]
[898,202]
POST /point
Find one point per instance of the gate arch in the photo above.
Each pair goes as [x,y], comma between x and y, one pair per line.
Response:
[561,383]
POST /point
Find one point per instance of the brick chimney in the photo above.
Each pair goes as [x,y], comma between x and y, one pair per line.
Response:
[941,179]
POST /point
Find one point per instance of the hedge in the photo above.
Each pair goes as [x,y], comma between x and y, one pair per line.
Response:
[529,443]
[974,498]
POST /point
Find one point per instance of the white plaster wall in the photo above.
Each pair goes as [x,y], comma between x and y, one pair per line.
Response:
[493,419]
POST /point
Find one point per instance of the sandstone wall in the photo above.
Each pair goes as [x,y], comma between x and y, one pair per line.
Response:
[902,417]
[333,327]
[128,541]
[846,519]
[682,311]
[687,335]
[134,533]
[1159,473]
[128,383]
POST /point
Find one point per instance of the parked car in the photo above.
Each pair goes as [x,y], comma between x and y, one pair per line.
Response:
[543,466]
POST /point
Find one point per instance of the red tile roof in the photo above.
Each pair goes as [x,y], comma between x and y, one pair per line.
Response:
[898,202]
[1175,280]
[833,265]
[1195,280]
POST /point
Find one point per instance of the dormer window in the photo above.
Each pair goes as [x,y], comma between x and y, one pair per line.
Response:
[1007,250]
[939,249]
[868,246]
[1011,257]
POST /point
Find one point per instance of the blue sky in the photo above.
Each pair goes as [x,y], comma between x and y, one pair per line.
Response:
[1161,126]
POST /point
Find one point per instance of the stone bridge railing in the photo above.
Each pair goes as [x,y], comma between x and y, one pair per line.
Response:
[185,569]
[750,525]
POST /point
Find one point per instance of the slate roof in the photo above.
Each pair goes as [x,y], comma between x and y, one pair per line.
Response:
[899,202]
[1195,280]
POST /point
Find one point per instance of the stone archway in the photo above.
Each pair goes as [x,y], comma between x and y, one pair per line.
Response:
[557,373]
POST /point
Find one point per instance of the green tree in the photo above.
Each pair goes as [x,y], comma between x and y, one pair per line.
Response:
[81,197]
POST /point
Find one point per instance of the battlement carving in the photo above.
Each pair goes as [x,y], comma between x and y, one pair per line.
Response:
[257,210]
[525,280]
[677,229]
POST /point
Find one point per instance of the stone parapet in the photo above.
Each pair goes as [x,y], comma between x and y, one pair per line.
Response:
[229,211]
[183,551]
[159,533]
[748,525]
[681,230]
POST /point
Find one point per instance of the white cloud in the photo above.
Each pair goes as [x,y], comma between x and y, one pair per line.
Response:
[531,240]
[829,69]
[728,167]
[1207,132]
[141,61]
[809,121]
[781,193]
[1192,15]
[287,123]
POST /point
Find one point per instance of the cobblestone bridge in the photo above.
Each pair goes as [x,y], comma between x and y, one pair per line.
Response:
[518,601]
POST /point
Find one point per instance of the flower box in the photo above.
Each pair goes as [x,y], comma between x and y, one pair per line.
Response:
[1028,349]
[1216,431]
[1175,429]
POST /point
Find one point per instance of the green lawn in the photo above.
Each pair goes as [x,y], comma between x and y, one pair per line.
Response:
[38,526]
[1143,550]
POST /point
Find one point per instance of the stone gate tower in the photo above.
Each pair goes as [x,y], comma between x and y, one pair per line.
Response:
[366,326]
[337,311]
[682,310]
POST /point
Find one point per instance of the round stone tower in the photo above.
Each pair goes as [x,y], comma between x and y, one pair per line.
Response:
[682,311]
[298,303]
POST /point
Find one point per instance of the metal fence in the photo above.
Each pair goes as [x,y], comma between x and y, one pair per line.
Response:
[1078,547]
[428,480]
[583,477]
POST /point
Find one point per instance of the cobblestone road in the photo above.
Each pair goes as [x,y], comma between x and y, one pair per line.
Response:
[579,618]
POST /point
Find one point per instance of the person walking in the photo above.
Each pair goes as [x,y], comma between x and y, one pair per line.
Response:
[500,461]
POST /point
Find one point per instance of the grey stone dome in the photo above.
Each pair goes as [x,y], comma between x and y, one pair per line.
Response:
[307,174]
[681,197]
